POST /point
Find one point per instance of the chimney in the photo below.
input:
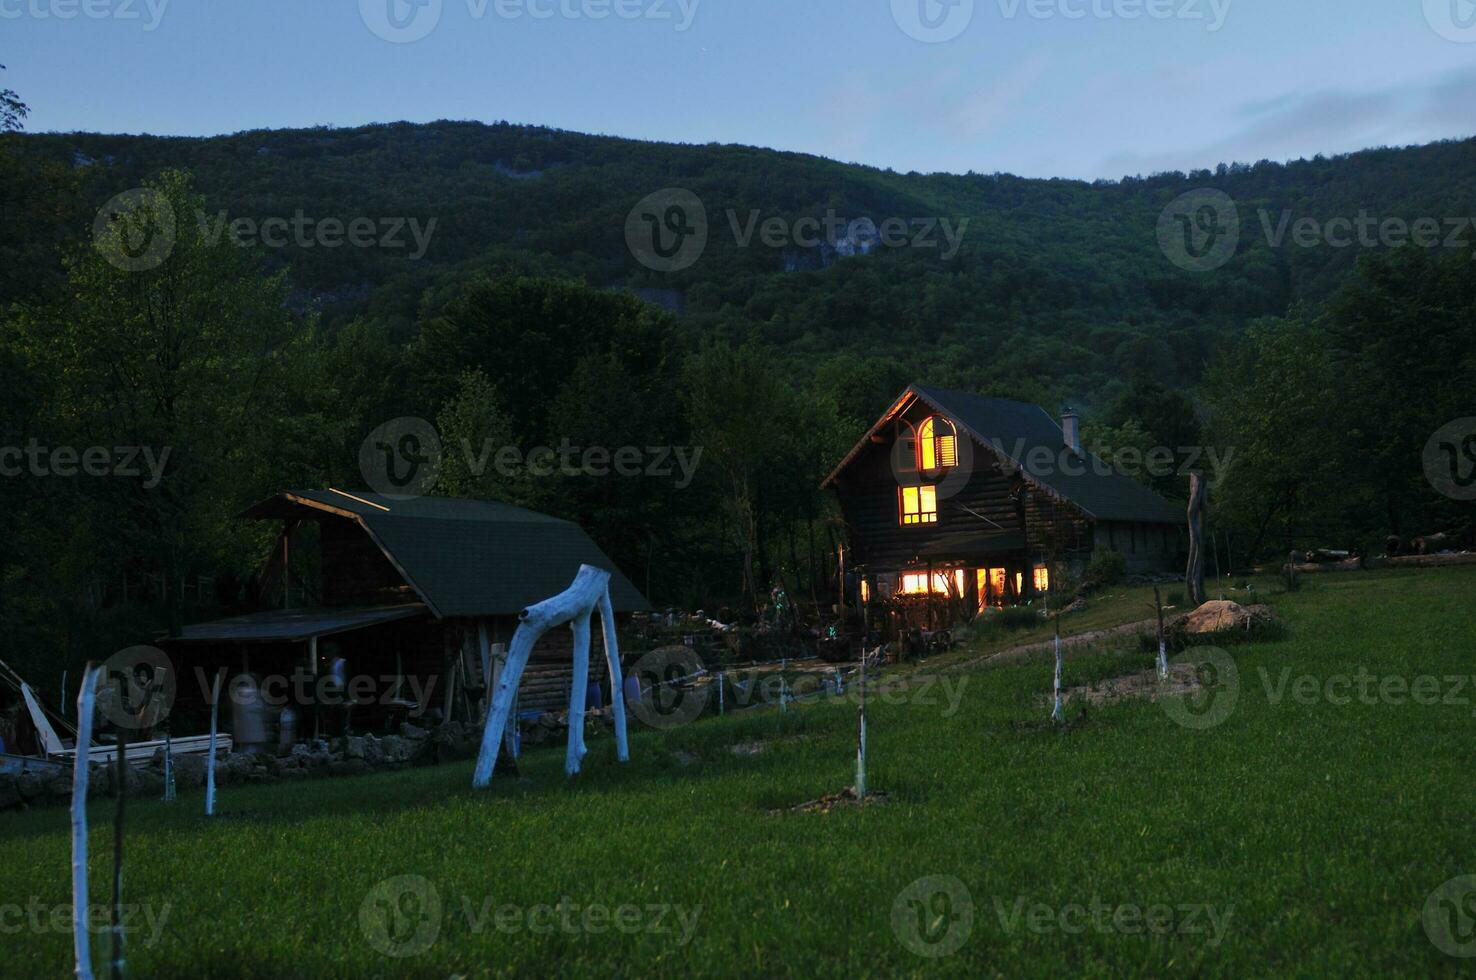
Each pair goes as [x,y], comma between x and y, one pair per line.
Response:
[1071,429]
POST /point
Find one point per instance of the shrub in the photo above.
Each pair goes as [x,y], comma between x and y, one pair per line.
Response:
[1106,568]
[1017,618]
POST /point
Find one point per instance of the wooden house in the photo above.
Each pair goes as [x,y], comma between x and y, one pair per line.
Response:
[414,595]
[959,501]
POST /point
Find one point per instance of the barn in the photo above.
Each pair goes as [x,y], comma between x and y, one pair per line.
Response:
[415,596]
[959,501]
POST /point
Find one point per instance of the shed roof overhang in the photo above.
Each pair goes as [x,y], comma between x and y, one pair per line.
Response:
[294,625]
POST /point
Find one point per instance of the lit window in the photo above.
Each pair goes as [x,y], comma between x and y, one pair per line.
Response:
[937,445]
[915,583]
[1042,578]
[918,505]
[865,591]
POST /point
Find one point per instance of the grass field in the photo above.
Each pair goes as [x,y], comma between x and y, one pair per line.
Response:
[1302,835]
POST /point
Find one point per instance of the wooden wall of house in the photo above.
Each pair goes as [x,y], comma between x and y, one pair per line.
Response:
[355,571]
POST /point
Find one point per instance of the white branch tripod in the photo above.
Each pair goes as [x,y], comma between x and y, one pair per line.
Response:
[574,606]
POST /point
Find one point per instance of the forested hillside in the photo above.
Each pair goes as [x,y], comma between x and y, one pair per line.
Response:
[496,296]
[1059,286]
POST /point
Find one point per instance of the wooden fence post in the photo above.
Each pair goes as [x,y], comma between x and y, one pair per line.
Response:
[210,762]
[86,700]
[861,733]
[1058,713]
[1163,667]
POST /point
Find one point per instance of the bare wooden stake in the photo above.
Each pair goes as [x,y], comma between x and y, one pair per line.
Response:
[86,701]
[861,730]
[1163,666]
[119,958]
[210,761]
[1058,712]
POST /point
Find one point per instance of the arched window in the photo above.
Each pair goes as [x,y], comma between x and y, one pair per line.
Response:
[937,445]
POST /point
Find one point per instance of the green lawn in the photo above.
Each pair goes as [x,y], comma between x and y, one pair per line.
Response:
[1300,836]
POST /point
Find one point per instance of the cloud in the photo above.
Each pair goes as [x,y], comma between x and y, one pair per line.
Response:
[1329,121]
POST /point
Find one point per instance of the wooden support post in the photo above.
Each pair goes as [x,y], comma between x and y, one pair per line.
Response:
[1194,573]
[313,673]
[484,649]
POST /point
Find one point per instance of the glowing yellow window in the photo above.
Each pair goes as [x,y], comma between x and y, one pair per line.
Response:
[937,445]
[919,505]
[915,583]
[1042,578]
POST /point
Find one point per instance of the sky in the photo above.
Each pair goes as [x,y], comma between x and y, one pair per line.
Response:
[1041,88]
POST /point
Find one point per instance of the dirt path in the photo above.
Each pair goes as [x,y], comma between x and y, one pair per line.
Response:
[1145,627]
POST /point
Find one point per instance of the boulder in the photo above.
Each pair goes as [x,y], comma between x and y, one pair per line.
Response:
[411,731]
[394,749]
[189,771]
[145,783]
[349,767]
[353,747]
[373,750]
[1223,616]
[30,785]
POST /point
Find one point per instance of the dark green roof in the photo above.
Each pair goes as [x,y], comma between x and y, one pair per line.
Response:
[294,625]
[1014,429]
[466,557]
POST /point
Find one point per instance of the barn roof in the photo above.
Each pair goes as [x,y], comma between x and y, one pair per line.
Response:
[1012,430]
[464,558]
